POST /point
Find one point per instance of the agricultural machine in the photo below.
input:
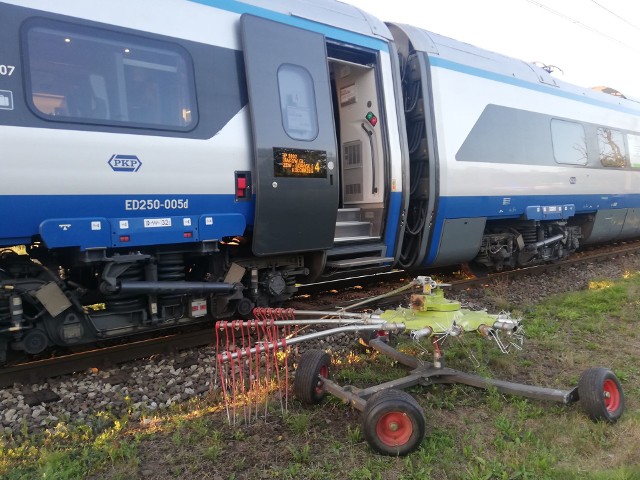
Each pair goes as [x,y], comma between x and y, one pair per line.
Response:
[393,422]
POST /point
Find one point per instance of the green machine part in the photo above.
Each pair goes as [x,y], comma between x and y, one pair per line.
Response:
[432,309]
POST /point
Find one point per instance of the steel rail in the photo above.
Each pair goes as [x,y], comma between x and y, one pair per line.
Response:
[106,357]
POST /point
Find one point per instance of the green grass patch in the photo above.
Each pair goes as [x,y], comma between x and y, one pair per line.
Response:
[67,452]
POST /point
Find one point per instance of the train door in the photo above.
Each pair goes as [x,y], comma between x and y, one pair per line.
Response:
[296,179]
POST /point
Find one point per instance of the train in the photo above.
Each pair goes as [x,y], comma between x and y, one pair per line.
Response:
[172,162]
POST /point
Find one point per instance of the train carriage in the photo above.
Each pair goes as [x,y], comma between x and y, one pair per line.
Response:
[517,166]
[183,162]
[166,163]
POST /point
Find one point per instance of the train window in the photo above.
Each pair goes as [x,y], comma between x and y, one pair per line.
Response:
[611,147]
[297,102]
[95,76]
[569,142]
[634,150]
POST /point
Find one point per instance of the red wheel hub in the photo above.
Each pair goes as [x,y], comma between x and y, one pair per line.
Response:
[611,395]
[394,428]
[324,372]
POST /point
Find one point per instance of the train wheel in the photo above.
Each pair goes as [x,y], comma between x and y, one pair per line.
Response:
[601,394]
[35,341]
[393,422]
[244,308]
[308,386]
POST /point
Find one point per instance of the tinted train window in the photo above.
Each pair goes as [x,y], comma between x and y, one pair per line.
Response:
[297,102]
[90,75]
[611,147]
[569,142]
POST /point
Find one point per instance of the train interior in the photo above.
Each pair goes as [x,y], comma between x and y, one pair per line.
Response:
[362,158]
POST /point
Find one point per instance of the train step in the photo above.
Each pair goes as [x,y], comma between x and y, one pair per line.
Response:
[367,249]
[357,255]
[352,229]
[348,240]
[358,262]
[349,215]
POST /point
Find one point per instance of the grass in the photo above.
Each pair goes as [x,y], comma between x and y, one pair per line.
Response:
[471,434]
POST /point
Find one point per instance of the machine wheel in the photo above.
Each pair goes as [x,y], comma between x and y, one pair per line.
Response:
[393,422]
[601,394]
[308,387]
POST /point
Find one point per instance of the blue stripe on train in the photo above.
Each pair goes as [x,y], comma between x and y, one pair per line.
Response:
[393,220]
[498,77]
[30,211]
[509,207]
[327,30]
[91,221]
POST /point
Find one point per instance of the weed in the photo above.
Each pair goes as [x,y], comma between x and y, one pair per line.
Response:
[416,469]
[302,454]
[367,373]
[298,422]
[525,409]
[239,463]
[215,446]
[361,473]
[213,453]
[354,435]
[622,375]
[494,399]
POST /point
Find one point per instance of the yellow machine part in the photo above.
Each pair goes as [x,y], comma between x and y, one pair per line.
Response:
[435,311]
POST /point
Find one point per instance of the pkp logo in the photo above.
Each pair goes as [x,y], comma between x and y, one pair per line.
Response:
[125,163]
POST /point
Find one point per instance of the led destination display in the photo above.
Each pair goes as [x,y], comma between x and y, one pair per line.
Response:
[293,162]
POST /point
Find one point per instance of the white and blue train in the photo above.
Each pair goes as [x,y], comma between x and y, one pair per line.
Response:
[165,162]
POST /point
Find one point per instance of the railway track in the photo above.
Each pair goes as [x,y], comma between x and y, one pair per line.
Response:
[106,357]
[40,370]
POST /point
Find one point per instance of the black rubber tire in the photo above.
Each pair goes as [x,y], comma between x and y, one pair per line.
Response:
[393,423]
[601,394]
[307,386]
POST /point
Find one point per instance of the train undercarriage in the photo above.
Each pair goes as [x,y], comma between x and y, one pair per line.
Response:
[67,298]
[525,243]
[71,298]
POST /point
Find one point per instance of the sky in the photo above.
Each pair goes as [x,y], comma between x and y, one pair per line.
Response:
[593,42]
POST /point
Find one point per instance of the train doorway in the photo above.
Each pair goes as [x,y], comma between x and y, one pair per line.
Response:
[360,127]
[321,174]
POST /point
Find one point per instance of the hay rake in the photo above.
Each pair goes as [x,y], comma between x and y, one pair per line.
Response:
[393,422]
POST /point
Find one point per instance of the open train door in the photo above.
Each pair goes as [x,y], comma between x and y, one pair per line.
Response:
[295,177]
